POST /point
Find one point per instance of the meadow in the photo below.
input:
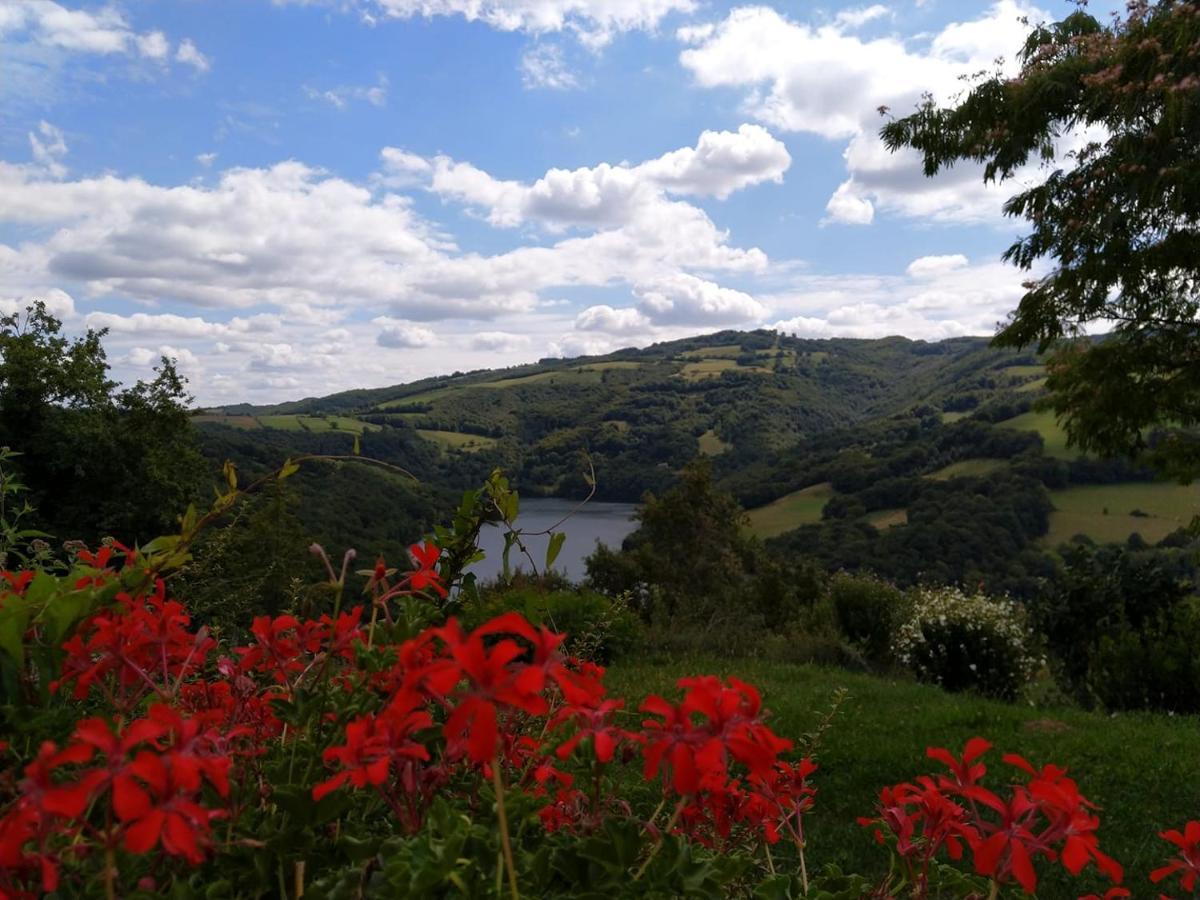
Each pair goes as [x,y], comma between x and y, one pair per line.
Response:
[802,507]
[1138,767]
[1104,512]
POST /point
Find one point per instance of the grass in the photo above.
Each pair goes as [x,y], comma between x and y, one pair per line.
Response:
[884,519]
[949,417]
[1081,510]
[723,351]
[1045,424]
[967,467]
[1024,371]
[801,507]
[456,440]
[1140,768]
[711,445]
[317,424]
[248,422]
[706,368]
[1030,386]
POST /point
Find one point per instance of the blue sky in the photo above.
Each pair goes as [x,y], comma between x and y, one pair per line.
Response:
[293,197]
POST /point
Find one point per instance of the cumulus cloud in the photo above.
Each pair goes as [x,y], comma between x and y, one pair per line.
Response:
[48,147]
[825,79]
[605,195]
[189,54]
[341,97]
[937,297]
[543,66]
[612,321]
[103,31]
[499,341]
[394,334]
[594,22]
[687,298]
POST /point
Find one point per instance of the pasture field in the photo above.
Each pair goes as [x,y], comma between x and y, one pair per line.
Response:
[456,440]
[1030,386]
[950,417]
[978,466]
[1023,371]
[706,368]
[883,519]
[802,507]
[317,423]
[233,421]
[711,445]
[725,351]
[1138,767]
[1045,424]
[1082,510]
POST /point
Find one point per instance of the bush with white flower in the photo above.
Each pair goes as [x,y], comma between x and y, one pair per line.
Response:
[966,641]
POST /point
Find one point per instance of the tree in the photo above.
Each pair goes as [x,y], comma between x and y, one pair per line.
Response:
[98,460]
[1119,218]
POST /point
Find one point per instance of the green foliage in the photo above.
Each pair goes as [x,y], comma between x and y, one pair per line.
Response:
[598,628]
[97,460]
[967,642]
[1155,665]
[868,612]
[1118,217]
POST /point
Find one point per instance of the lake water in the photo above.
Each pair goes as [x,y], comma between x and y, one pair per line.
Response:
[608,523]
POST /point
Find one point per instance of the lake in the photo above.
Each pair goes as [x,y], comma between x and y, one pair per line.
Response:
[608,523]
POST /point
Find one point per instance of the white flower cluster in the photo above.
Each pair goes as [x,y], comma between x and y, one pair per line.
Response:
[982,626]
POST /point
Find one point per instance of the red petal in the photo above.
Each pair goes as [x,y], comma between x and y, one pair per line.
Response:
[129,800]
[143,834]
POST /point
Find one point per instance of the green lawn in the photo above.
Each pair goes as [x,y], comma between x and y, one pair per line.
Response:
[456,440]
[801,507]
[888,518]
[1140,768]
[963,467]
[711,445]
[1081,510]
[317,423]
[1045,424]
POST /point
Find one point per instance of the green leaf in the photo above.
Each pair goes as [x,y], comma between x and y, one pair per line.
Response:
[357,448]
[288,469]
[556,544]
[229,470]
[14,619]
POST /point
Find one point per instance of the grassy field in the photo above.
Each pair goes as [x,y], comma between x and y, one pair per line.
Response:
[967,467]
[1045,424]
[949,417]
[1140,768]
[801,507]
[1023,371]
[233,421]
[455,440]
[1081,510]
[888,518]
[726,351]
[706,368]
[317,423]
[1030,386]
[711,445]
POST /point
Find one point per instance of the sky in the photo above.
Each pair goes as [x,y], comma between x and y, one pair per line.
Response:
[296,197]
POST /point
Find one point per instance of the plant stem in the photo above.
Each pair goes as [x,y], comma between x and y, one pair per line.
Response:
[658,844]
[505,843]
[299,878]
[994,891]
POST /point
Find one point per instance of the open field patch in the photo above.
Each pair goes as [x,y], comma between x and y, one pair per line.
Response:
[1104,512]
[456,440]
[965,467]
[888,518]
[1045,424]
[802,507]
[232,421]
[711,445]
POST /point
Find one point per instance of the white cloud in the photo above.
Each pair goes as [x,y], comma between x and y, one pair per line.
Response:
[684,298]
[189,54]
[340,97]
[103,31]
[48,147]
[542,66]
[206,159]
[826,80]
[938,297]
[612,321]
[499,341]
[933,266]
[721,163]
[594,22]
[393,333]
[858,16]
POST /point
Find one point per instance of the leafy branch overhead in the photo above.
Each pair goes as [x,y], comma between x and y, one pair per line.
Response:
[1115,221]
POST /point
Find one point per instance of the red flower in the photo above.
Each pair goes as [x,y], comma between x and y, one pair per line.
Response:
[375,745]
[592,722]
[426,576]
[1187,864]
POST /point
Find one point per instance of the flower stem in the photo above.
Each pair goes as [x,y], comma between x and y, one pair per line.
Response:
[658,844]
[994,890]
[505,843]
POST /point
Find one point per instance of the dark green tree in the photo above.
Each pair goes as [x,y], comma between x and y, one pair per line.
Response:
[98,460]
[1118,219]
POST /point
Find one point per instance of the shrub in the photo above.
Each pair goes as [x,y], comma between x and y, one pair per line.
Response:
[599,628]
[1154,666]
[967,642]
[867,612]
